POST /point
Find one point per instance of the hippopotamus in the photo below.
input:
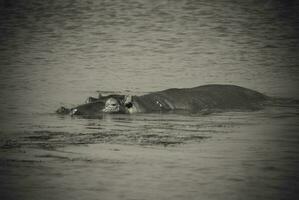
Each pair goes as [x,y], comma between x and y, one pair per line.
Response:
[213,97]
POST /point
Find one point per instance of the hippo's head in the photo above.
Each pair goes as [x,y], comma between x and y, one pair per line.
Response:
[94,106]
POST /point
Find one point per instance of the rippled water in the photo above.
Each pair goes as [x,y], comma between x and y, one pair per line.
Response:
[56,53]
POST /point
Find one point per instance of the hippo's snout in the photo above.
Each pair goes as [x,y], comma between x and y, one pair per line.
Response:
[63,110]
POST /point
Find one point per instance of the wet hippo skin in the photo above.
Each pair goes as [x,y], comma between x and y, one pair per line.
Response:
[212,97]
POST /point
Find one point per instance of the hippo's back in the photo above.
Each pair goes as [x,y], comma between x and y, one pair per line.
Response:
[212,97]
[230,92]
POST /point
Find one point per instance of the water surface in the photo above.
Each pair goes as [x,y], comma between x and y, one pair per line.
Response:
[57,53]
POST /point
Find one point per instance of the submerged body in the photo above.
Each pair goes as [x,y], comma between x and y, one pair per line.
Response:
[194,100]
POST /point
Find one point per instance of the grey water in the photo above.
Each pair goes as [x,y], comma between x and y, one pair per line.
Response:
[57,53]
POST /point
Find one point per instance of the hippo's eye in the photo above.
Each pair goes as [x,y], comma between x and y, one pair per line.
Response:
[129,105]
[113,104]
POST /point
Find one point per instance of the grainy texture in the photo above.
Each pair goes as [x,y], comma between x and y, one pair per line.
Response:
[56,53]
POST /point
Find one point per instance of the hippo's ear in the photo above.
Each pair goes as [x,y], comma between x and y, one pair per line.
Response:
[128,98]
[128,101]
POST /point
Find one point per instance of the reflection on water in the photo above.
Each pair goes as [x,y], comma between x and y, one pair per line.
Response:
[57,53]
[250,155]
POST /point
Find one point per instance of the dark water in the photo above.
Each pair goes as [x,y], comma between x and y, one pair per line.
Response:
[56,53]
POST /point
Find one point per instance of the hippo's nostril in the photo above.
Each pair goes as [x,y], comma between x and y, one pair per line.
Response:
[63,110]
